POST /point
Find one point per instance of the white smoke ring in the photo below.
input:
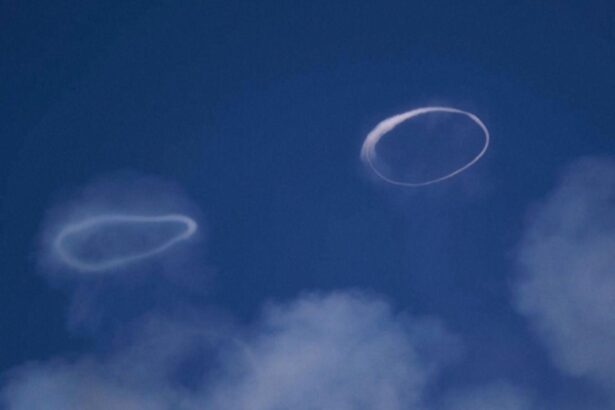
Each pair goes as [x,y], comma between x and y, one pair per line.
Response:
[90,223]
[368,150]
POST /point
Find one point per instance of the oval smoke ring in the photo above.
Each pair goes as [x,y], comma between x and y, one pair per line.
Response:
[99,221]
[368,150]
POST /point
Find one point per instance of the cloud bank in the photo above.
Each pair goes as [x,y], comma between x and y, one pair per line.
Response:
[567,262]
[343,351]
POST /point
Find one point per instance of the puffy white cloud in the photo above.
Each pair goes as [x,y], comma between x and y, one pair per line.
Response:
[341,351]
[567,259]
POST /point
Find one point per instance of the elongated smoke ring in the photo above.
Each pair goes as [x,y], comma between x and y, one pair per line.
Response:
[89,223]
[368,150]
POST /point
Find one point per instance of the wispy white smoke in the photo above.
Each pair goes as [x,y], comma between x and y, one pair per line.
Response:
[567,259]
[127,238]
[118,224]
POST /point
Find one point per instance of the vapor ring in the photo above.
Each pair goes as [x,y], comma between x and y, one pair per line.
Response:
[89,223]
[368,150]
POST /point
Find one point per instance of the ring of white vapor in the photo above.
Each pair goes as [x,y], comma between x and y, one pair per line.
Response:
[368,150]
[89,223]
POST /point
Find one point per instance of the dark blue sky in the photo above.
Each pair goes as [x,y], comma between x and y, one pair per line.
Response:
[258,111]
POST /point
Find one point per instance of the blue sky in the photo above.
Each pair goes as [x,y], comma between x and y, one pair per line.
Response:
[250,118]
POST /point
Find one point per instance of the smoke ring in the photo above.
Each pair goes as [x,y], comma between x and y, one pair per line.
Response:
[368,150]
[91,223]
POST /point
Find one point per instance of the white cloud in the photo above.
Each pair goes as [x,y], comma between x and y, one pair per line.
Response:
[342,351]
[137,372]
[496,395]
[82,385]
[567,259]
